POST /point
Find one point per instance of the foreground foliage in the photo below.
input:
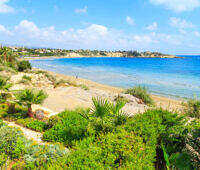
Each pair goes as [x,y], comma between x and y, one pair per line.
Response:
[14,146]
[66,127]
[115,150]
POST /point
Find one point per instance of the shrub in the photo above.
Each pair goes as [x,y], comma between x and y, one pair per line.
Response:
[106,116]
[192,108]
[119,150]
[25,77]
[193,142]
[3,110]
[53,120]
[141,93]
[42,157]
[24,65]
[160,128]
[37,125]
[58,83]
[30,123]
[2,123]
[49,77]
[72,126]
[12,142]
[24,81]
[84,87]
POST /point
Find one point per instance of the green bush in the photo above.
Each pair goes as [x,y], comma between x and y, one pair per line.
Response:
[42,157]
[30,123]
[117,150]
[27,78]
[163,130]
[2,123]
[105,116]
[72,126]
[24,65]
[3,110]
[84,87]
[141,93]
[37,125]
[193,142]
[12,142]
[192,108]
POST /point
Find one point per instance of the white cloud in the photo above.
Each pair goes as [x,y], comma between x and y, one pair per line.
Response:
[130,20]
[81,10]
[27,28]
[178,5]
[94,36]
[4,30]
[181,24]
[4,8]
[196,33]
[152,27]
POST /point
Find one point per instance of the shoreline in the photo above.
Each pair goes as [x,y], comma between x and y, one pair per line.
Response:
[78,56]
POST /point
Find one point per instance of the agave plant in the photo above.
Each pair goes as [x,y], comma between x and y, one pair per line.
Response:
[29,97]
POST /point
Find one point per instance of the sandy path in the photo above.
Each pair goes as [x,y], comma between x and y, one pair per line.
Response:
[29,134]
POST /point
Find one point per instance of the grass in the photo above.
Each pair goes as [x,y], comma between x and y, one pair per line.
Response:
[24,81]
[25,77]
[60,82]
[141,93]
[84,87]
[192,108]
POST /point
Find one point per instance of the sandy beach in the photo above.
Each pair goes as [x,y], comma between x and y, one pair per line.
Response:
[73,95]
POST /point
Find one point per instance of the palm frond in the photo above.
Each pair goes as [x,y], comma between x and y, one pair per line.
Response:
[101,107]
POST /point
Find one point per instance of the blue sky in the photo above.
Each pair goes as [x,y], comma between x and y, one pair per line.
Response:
[169,26]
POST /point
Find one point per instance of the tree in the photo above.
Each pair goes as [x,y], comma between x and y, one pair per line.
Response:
[24,65]
[29,97]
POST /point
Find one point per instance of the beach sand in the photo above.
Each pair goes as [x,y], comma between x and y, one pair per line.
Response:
[73,96]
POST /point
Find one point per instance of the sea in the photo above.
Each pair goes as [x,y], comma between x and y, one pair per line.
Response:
[170,77]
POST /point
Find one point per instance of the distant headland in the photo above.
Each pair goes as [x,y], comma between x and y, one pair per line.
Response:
[37,53]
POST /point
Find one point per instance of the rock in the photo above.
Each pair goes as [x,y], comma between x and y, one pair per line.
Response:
[39,114]
[130,98]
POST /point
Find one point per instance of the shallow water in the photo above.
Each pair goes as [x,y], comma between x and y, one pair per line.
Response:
[179,77]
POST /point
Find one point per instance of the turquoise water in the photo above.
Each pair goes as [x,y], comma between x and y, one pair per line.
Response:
[178,77]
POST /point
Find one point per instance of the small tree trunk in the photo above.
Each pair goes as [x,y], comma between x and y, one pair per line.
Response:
[5,55]
[30,112]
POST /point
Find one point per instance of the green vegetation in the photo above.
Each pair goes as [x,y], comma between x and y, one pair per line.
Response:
[23,66]
[30,123]
[25,153]
[28,97]
[25,77]
[70,126]
[114,150]
[141,93]
[48,52]
[84,87]
[102,137]
[192,108]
